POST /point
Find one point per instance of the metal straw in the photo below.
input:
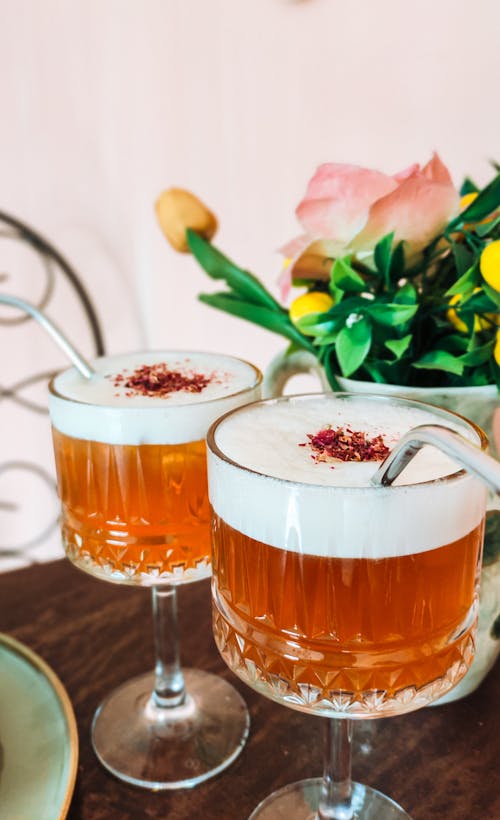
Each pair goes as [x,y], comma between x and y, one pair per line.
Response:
[75,357]
[453,444]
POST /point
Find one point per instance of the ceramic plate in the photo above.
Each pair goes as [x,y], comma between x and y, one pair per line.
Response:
[38,737]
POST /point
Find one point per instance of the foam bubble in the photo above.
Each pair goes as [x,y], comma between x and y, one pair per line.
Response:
[100,409]
[293,502]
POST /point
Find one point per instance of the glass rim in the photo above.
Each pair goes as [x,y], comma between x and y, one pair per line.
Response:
[140,408]
[439,411]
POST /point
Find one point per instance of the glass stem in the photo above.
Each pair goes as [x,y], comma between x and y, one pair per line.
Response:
[336,790]
[169,681]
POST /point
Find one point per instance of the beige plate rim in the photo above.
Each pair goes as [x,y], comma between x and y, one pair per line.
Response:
[36,661]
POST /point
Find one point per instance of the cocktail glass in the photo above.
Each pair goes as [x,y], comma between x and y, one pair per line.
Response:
[333,596]
[131,473]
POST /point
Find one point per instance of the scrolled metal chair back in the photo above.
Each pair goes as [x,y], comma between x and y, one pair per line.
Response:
[52,265]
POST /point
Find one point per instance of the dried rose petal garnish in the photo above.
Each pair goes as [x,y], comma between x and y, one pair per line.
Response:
[158,380]
[344,444]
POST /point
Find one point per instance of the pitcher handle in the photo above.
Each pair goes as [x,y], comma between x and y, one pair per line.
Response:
[284,366]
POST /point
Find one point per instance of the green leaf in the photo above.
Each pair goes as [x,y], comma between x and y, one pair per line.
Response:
[478,356]
[344,277]
[327,360]
[440,360]
[468,187]
[491,537]
[317,324]
[468,317]
[407,295]
[265,317]
[478,377]
[495,373]
[391,314]
[328,339]
[382,256]
[463,256]
[466,284]
[484,204]
[398,261]
[352,345]
[375,373]
[292,348]
[478,302]
[399,346]
[455,343]
[337,294]
[219,266]
[488,227]
[351,304]
[491,293]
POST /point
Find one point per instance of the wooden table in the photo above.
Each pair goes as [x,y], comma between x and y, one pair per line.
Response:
[440,763]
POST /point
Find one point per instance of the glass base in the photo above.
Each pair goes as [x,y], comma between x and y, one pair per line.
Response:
[174,747]
[300,801]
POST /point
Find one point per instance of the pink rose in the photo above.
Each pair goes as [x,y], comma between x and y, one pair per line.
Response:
[348,209]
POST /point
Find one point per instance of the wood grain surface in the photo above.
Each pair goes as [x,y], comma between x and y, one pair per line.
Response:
[440,763]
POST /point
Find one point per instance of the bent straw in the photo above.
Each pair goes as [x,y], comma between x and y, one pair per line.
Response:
[453,444]
[74,356]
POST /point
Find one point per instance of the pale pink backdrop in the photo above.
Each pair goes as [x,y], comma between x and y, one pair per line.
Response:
[105,102]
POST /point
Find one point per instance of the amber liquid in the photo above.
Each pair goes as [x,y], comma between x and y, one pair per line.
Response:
[355,637]
[135,514]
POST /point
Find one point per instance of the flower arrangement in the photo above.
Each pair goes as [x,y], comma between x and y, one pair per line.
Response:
[401,275]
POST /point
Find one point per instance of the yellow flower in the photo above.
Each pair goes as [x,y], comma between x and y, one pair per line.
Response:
[313,302]
[489,264]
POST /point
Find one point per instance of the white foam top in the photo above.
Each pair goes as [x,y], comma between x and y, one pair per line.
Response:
[329,508]
[105,409]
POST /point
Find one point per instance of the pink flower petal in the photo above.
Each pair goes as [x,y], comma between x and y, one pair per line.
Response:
[285,282]
[295,247]
[352,208]
[408,172]
[417,211]
[338,198]
[437,171]
[314,263]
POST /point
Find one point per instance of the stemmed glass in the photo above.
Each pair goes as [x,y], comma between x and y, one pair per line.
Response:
[129,447]
[334,596]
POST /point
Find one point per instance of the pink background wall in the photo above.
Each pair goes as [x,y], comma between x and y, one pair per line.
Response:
[106,102]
